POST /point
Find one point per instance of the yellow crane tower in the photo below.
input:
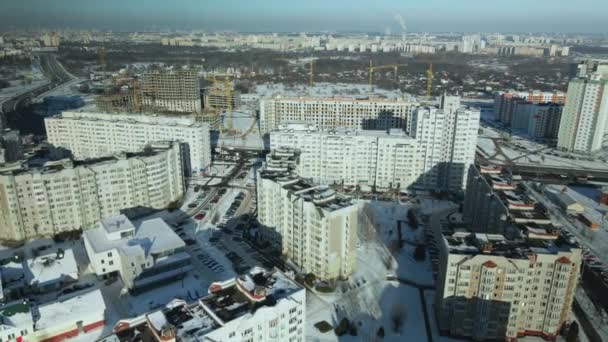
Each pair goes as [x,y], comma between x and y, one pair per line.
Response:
[429,81]
[136,95]
[224,85]
[373,68]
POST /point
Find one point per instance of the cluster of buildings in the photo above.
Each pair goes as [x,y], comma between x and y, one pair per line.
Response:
[413,43]
[578,119]
[49,272]
[376,144]
[535,113]
[504,270]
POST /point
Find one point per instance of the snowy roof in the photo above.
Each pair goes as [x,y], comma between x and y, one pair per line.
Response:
[15,314]
[52,267]
[247,293]
[157,320]
[117,223]
[71,310]
[152,236]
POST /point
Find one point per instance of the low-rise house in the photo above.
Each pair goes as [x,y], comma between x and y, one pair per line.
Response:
[142,256]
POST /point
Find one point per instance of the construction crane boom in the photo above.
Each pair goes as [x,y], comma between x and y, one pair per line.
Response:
[373,68]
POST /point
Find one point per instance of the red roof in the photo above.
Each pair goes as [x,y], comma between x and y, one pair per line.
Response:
[489,264]
[564,260]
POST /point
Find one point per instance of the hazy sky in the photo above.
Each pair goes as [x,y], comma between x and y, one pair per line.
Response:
[309,15]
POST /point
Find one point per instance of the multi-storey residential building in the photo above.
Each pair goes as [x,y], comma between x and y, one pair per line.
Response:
[436,155]
[312,225]
[494,287]
[505,103]
[495,200]
[93,135]
[584,124]
[144,256]
[260,306]
[66,195]
[446,142]
[378,159]
[171,91]
[327,113]
[539,120]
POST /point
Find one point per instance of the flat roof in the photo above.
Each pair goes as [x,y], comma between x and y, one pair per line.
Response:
[51,267]
[151,236]
[70,310]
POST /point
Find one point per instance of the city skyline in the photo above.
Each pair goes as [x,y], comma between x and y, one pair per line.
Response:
[311,16]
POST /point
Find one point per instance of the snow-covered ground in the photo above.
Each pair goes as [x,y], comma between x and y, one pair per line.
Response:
[368,299]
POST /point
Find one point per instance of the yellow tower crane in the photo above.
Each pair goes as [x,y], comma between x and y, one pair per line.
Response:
[226,84]
[429,81]
[136,95]
[373,68]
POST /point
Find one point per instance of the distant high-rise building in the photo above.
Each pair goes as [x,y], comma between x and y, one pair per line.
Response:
[312,225]
[171,91]
[584,123]
[93,135]
[327,113]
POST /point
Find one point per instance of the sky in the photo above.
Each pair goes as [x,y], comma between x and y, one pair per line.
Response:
[579,16]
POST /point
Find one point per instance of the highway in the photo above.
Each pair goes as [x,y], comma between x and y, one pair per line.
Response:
[53,70]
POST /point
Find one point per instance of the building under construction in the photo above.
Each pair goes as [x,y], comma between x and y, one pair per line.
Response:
[116,103]
[216,97]
[171,91]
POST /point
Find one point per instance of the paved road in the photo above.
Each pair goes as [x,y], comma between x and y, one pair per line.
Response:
[53,70]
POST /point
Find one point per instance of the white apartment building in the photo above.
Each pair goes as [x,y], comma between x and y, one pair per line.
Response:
[314,227]
[350,157]
[584,122]
[142,256]
[93,135]
[260,306]
[446,140]
[66,195]
[491,287]
[327,113]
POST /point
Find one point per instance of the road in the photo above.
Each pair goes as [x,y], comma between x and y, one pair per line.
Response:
[53,70]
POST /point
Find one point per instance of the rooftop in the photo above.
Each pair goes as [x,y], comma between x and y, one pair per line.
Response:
[227,301]
[282,172]
[296,126]
[517,243]
[43,164]
[52,267]
[70,310]
[151,236]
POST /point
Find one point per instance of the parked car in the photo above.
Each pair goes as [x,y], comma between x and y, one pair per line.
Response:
[199,216]
[193,205]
